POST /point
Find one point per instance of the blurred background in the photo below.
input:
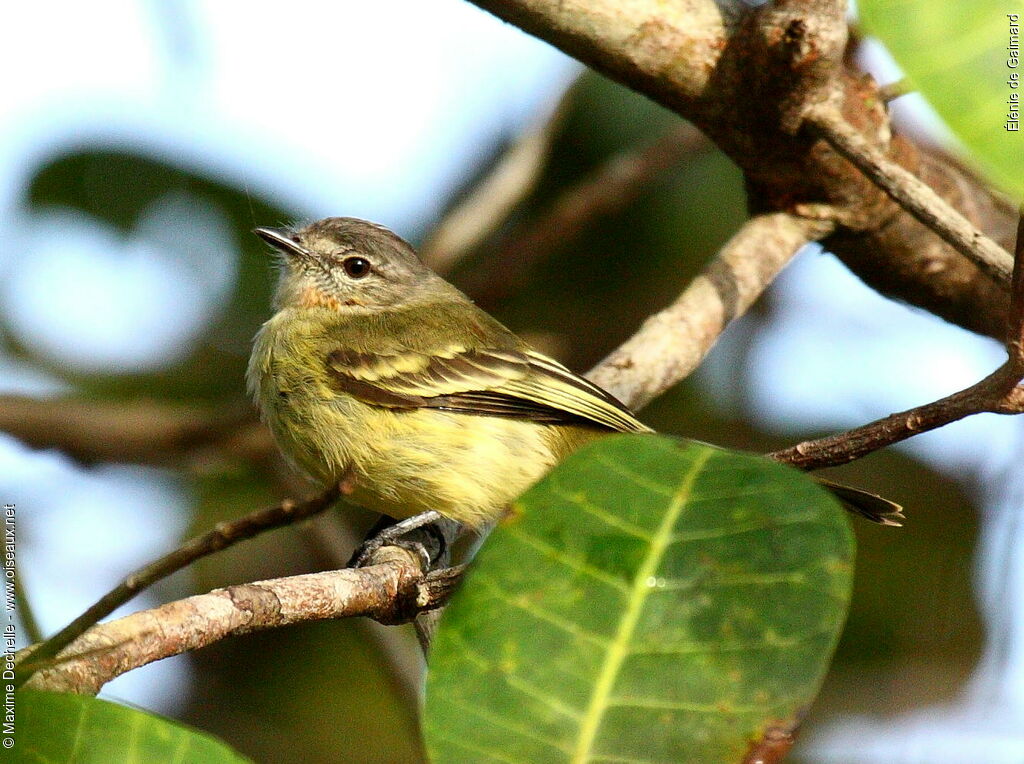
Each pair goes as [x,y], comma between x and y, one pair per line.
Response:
[141,141]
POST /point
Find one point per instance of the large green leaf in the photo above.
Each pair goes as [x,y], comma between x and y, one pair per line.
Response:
[55,728]
[957,55]
[651,600]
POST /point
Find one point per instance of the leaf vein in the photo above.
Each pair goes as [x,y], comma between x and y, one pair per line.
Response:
[513,680]
[699,648]
[608,518]
[635,477]
[696,708]
[794,578]
[616,652]
[738,529]
[541,614]
[558,555]
[498,721]
[488,752]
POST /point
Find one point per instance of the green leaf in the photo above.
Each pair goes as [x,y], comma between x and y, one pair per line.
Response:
[651,600]
[57,727]
[956,54]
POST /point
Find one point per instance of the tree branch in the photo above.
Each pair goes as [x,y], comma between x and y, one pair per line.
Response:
[673,342]
[493,198]
[222,536]
[137,432]
[827,121]
[893,90]
[746,77]
[611,187]
[999,393]
[391,591]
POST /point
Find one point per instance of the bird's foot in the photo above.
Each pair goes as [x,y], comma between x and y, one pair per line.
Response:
[418,534]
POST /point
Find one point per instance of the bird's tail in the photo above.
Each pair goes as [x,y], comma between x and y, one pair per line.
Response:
[869,505]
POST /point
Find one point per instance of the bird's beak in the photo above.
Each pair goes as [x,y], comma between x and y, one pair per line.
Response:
[280,238]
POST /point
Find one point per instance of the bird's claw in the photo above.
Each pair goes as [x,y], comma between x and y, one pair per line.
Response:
[396,534]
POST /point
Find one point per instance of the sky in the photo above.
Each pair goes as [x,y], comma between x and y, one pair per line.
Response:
[416,94]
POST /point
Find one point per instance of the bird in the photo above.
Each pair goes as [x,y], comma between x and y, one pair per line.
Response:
[376,371]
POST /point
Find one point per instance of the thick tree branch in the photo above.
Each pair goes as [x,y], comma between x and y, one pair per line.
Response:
[747,77]
[391,591]
[669,48]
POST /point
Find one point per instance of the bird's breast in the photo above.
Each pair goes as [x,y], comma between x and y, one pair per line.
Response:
[465,466]
[400,461]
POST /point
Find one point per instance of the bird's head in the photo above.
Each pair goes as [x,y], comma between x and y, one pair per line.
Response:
[350,265]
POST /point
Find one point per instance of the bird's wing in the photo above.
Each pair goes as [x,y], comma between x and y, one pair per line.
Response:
[508,382]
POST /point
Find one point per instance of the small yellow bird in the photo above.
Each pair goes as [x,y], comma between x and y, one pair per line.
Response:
[377,371]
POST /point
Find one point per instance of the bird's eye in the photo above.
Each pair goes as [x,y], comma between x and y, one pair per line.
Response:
[356,267]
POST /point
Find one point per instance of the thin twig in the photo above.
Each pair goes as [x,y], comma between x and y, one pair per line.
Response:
[998,393]
[775,742]
[492,199]
[991,394]
[224,535]
[608,189]
[26,613]
[1015,322]
[918,198]
[893,90]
